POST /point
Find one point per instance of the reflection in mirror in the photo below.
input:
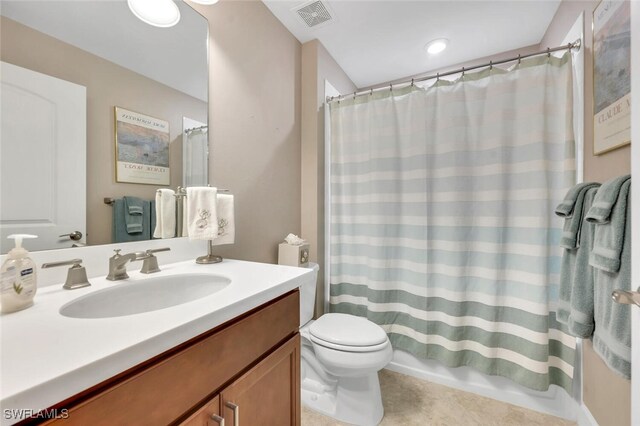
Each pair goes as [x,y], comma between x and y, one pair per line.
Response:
[66,67]
[195,153]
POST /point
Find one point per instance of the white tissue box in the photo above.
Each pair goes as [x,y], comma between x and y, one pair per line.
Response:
[291,255]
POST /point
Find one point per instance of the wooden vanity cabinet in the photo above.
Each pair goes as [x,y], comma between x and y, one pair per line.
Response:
[251,363]
[267,394]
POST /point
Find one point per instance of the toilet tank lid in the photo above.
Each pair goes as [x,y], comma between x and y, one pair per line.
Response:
[347,330]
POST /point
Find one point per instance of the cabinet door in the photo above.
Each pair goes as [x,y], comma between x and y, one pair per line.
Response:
[209,415]
[269,393]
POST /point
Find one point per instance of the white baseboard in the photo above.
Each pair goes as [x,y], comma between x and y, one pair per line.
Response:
[555,401]
[585,418]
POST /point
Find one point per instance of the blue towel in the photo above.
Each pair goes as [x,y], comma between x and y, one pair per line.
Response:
[133,212]
[119,232]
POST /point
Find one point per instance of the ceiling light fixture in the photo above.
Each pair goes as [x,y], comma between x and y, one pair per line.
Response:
[205,2]
[159,13]
[436,46]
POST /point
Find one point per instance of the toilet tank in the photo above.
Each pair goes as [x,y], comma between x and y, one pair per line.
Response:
[308,296]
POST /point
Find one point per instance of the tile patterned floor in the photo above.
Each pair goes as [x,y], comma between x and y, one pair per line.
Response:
[410,401]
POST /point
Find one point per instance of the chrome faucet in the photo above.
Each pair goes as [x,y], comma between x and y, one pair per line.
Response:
[118,263]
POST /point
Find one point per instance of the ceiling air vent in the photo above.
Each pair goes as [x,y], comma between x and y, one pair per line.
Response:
[314,13]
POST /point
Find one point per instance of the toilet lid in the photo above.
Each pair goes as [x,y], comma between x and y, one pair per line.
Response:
[347,330]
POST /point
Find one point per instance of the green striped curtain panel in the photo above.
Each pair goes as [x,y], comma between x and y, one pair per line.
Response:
[442,228]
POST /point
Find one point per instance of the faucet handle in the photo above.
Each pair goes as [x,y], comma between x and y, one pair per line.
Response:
[76,275]
[117,251]
[150,264]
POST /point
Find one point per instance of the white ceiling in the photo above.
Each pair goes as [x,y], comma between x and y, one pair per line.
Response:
[176,56]
[380,41]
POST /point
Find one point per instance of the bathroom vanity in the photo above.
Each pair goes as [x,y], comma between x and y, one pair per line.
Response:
[233,354]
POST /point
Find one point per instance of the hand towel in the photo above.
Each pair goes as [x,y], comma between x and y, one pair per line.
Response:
[165,214]
[133,211]
[580,321]
[609,237]
[605,200]
[226,220]
[565,208]
[119,232]
[201,213]
[612,336]
[573,221]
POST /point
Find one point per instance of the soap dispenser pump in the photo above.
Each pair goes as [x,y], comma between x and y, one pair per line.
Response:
[17,277]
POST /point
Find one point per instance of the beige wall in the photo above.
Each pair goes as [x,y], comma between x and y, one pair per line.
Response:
[607,395]
[254,124]
[317,66]
[108,85]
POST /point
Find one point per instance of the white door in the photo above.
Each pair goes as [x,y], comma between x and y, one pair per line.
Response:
[635,208]
[42,158]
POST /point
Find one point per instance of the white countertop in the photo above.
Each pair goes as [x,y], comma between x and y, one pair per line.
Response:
[46,357]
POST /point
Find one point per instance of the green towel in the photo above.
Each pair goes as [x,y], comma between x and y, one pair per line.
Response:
[609,237]
[119,232]
[133,212]
[612,337]
[606,199]
[565,208]
[573,222]
[580,321]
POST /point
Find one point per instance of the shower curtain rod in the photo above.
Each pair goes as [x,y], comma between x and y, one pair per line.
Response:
[575,45]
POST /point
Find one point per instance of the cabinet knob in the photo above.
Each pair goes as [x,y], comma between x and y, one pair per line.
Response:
[236,412]
[217,419]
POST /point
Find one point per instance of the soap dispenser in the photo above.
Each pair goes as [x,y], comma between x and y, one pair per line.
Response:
[17,277]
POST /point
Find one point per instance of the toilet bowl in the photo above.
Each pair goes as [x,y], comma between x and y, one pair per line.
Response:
[340,359]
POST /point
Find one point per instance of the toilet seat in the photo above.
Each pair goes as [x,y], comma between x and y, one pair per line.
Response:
[348,333]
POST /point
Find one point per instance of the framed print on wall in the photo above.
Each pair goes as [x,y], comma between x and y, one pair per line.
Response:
[611,75]
[142,148]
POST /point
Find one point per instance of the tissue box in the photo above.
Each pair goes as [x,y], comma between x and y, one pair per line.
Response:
[291,255]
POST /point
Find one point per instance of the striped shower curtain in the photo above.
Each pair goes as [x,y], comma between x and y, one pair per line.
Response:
[442,228]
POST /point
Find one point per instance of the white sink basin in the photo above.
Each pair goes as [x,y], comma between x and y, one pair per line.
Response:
[145,295]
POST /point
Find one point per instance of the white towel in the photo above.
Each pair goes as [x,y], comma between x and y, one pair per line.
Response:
[226,220]
[201,212]
[165,214]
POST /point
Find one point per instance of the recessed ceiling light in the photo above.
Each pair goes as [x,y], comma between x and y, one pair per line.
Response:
[205,2]
[436,46]
[159,13]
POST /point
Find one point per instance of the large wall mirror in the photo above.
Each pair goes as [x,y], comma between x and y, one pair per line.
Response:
[96,105]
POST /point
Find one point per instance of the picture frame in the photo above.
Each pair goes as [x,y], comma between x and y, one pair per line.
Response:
[611,75]
[141,148]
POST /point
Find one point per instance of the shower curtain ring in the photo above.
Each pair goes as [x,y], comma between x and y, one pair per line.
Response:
[519,59]
[463,71]
[548,52]
[412,82]
[437,77]
[391,87]
[490,65]
[354,95]
[371,92]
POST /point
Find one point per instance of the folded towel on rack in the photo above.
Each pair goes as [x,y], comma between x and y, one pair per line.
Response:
[612,336]
[574,219]
[606,199]
[226,220]
[567,206]
[119,232]
[201,213]
[133,212]
[580,307]
[609,237]
[165,214]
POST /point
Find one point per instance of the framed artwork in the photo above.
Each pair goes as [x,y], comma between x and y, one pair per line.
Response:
[142,148]
[611,75]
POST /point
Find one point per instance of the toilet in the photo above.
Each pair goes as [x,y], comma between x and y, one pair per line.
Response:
[340,359]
